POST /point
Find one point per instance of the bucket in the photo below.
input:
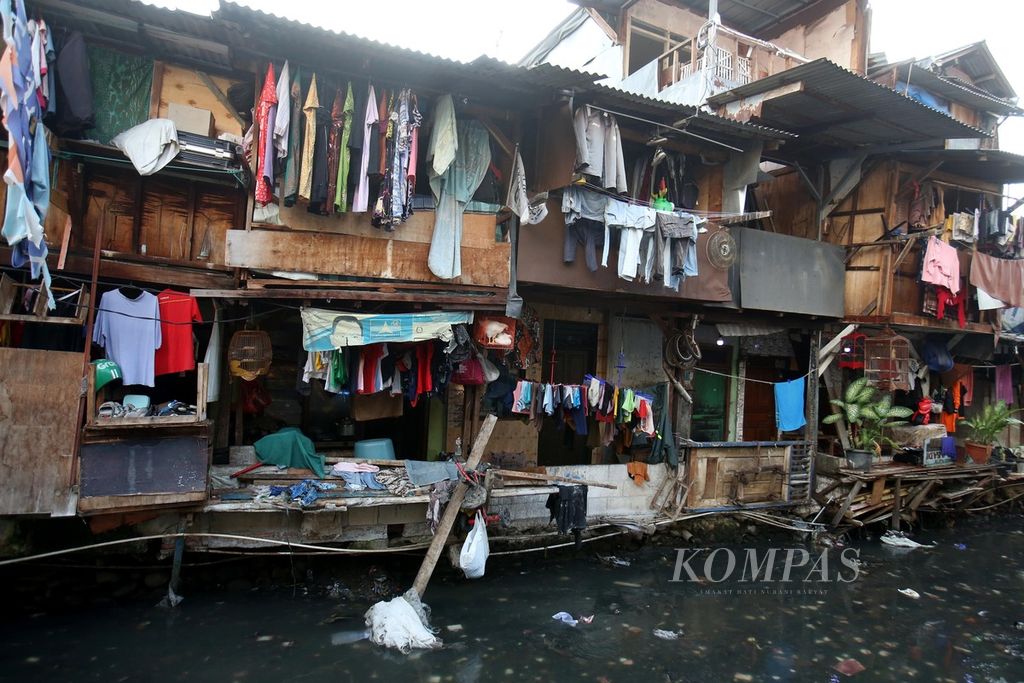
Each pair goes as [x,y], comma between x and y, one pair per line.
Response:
[375,449]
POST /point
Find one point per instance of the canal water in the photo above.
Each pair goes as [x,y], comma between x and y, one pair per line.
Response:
[961,627]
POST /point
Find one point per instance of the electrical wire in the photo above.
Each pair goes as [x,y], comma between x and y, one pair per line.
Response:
[234,537]
[747,379]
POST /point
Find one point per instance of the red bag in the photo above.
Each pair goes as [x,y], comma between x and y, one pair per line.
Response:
[469,372]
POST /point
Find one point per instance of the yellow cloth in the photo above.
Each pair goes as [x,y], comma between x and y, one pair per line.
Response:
[341,193]
[638,472]
[308,140]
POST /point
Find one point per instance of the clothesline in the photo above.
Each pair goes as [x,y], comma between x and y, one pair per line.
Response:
[747,379]
[649,205]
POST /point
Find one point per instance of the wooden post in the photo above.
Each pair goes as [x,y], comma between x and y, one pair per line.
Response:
[897,502]
[444,527]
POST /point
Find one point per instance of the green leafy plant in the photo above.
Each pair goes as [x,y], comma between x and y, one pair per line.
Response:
[990,422]
[868,415]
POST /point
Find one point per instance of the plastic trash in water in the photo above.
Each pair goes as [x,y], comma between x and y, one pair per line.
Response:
[666,635]
[346,637]
[614,561]
[910,593]
[565,618]
[898,540]
[587,620]
[848,667]
[960,546]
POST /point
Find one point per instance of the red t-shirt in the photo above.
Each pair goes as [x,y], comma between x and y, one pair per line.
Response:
[178,311]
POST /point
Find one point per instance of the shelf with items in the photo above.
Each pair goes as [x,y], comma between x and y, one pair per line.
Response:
[96,398]
[10,292]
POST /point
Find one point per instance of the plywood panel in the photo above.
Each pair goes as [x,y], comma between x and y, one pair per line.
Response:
[38,420]
[184,86]
[335,254]
[216,212]
[477,228]
[792,207]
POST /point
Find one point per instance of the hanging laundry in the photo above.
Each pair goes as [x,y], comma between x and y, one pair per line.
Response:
[310,110]
[334,151]
[452,191]
[129,330]
[599,148]
[344,153]
[568,508]
[394,203]
[362,197]
[321,163]
[1004,384]
[266,111]
[941,265]
[290,190]
[178,311]
[283,115]
[1002,279]
[636,231]
[789,405]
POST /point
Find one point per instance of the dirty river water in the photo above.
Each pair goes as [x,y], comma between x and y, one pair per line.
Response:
[960,628]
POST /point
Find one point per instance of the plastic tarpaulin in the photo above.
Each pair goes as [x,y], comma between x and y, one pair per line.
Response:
[324,330]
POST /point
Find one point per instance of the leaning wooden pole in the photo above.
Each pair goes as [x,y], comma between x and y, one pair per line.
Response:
[451,512]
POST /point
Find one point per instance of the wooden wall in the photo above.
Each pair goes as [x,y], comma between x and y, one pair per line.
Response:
[39,394]
[349,245]
[839,36]
[159,217]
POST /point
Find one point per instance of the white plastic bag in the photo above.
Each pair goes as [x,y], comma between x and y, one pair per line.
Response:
[475,550]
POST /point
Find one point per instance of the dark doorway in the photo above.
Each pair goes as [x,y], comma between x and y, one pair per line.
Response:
[570,352]
[759,398]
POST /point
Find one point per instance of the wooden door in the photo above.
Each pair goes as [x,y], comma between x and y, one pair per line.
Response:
[759,400]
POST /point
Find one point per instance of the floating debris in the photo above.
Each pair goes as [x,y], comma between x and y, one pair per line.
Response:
[667,635]
[614,561]
[848,667]
[898,540]
[910,593]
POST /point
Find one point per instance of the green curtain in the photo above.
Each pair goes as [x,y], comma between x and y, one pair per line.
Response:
[121,87]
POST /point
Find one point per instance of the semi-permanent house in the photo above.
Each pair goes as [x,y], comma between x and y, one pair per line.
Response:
[291,270]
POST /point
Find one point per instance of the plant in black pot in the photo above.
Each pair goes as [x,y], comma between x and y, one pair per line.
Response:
[868,415]
[985,428]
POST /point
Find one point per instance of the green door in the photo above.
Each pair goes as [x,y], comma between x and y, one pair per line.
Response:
[710,393]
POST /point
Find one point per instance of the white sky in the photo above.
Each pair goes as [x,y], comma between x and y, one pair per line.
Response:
[463,29]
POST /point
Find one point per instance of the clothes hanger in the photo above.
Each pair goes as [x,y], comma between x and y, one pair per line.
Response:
[131,291]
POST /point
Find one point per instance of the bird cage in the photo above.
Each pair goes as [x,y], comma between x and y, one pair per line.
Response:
[887,361]
[851,354]
[249,354]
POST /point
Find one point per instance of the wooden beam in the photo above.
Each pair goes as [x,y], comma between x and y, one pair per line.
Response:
[222,98]
[745,108]
[451,510]
[857,486]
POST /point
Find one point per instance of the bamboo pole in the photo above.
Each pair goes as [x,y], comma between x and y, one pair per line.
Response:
[451,512]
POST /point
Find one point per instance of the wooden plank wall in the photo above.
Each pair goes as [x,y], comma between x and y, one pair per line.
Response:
[39,393]
[354,247]
[728,476]
[158,217]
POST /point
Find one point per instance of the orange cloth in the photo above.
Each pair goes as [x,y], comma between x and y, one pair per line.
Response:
[638,472]
[949,419]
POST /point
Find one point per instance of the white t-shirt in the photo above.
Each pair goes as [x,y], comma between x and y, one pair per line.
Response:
[129,330]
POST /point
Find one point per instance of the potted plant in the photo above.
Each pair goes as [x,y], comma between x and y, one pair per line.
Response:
[985,428]
[868,416]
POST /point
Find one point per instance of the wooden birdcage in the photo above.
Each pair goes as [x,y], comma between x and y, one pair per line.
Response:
[249,354]
[887,361]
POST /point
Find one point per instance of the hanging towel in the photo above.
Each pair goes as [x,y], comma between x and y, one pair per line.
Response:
[1004,384]
[789,405]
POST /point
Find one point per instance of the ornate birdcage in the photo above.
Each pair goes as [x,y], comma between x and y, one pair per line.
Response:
[851,353]
[887,361]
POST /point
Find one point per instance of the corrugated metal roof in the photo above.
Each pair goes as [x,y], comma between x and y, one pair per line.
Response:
[672,112]
[755,17]
[187,37]
[991,165]
[828,104]
[978,62]
[926,73]
[261,35]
